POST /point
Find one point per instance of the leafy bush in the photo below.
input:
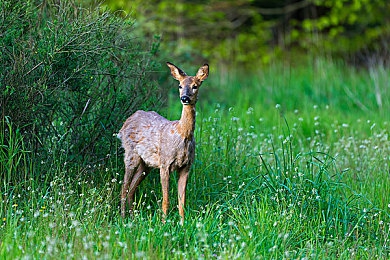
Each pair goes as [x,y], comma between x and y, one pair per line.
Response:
[70,76]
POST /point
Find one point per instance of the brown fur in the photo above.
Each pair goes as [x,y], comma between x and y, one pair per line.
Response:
[151,141]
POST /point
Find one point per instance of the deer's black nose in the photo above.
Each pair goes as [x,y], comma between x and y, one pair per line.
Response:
[185,99]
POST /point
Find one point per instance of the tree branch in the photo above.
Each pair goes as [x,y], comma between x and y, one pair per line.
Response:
[285,9]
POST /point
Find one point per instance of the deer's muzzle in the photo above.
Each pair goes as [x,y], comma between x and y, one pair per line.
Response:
[185,100]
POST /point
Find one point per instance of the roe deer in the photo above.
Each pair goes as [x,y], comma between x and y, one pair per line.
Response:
[152,141]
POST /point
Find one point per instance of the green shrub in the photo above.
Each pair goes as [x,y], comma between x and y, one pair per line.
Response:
[70,76]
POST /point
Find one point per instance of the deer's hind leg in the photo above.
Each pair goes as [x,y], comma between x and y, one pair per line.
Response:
[132,163]
[138,177]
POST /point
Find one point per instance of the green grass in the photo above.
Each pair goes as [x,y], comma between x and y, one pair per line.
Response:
[291,163]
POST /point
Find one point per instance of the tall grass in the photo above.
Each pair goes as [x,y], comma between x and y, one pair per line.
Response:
[12,151]
[277,175]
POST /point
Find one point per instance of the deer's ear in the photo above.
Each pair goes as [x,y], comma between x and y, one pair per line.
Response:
[203,72]
[177,73]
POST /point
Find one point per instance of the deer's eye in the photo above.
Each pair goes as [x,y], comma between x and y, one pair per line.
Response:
[180,87]
[195,87]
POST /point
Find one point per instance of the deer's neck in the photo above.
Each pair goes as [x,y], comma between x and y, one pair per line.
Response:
[186,124]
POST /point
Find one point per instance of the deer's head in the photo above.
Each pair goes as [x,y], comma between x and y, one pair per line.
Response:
[189,85]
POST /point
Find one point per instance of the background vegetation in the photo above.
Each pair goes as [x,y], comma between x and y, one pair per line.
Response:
[292,132]
[252,33]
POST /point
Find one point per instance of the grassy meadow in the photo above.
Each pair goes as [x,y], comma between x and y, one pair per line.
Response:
[292,162]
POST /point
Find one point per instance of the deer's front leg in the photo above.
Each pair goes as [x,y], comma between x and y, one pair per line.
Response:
[164,175]
[182,184]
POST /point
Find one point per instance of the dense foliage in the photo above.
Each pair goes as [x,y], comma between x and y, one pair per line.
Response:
[256,32]
[69,76]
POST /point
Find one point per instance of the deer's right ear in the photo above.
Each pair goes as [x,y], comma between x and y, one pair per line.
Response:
[177,73]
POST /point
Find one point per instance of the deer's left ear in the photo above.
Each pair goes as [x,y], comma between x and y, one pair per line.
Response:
[203,72]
